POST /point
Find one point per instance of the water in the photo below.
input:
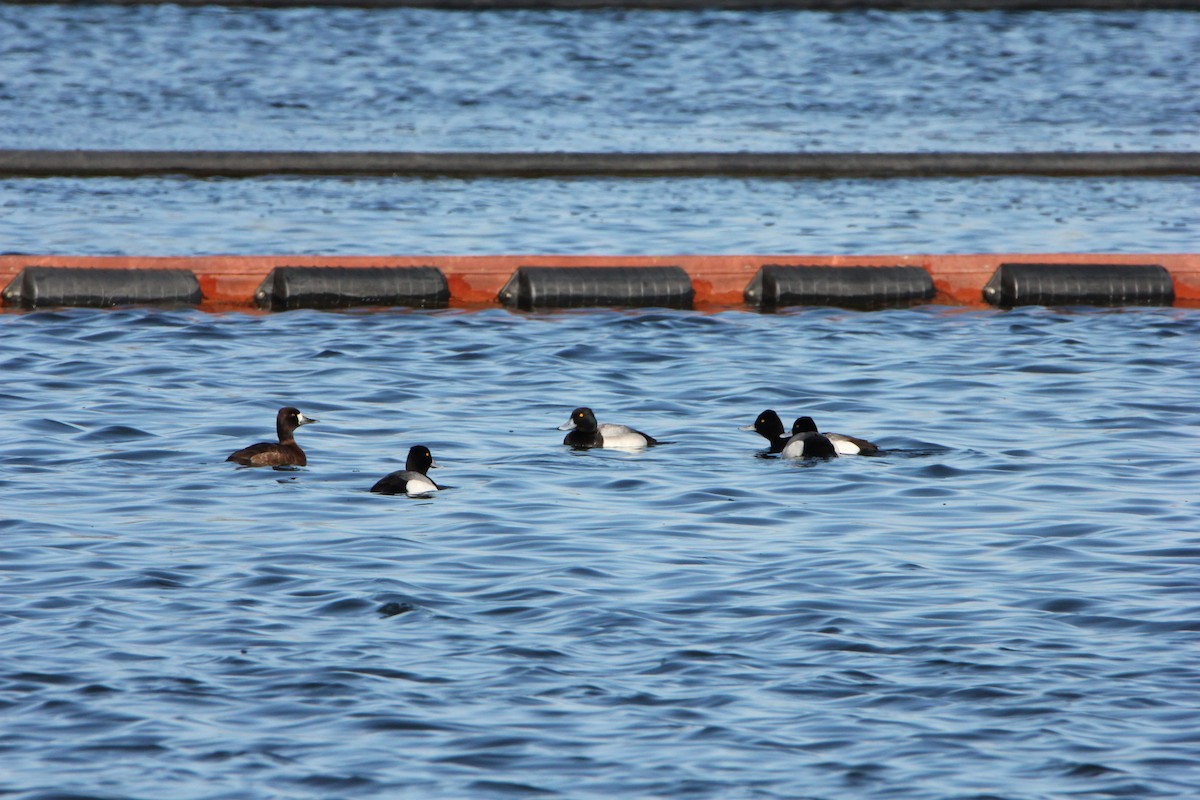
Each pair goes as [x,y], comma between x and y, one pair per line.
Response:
[606,217]
[165,77]
[1002,605]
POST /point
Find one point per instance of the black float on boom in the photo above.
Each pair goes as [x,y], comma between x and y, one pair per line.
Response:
[777,286]
[42,287]
[1080,285]
[287,288]
[532,288]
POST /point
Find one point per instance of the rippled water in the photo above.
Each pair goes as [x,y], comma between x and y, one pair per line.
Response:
[379,217]
[418,79]
[166,77]
[1004,604]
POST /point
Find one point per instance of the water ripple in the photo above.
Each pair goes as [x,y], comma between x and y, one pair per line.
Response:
[1004,598]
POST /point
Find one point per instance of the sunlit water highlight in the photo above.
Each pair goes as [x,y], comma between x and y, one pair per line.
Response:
[1004,604]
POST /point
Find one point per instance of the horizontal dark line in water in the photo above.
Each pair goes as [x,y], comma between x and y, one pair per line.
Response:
[680,5]
[240,163]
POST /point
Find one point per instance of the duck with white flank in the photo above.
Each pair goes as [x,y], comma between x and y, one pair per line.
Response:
[586,432]
[845,445]
[412,479]
[807,444]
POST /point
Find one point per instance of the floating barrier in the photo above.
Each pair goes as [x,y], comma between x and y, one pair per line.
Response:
[533,288]
[685,5]
[1080,284]
[41,287]
[248,164]
[548,282]
[865,288]
[287,288]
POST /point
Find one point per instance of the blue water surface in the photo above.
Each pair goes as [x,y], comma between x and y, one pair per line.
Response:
[1004,604]
[169,77]
[334,216]
[160,76]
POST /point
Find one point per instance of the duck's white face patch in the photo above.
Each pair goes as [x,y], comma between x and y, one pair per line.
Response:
[303,420]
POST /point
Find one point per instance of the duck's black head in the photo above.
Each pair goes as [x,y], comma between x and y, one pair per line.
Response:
[770,427]
[419,459]
[768,424]
[804,425]
[582,419]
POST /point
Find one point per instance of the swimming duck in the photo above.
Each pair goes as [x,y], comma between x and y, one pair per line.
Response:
[807,444]
[769,426]
[285,453]
[412,479]
[586,432]
[845,445]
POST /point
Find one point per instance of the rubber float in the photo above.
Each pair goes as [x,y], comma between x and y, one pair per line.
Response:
[546,282]
[287,288]
[37,287]
[867,288]
[1080,284]
[534,288]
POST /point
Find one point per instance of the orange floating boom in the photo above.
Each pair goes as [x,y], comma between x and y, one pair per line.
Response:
[718,281]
